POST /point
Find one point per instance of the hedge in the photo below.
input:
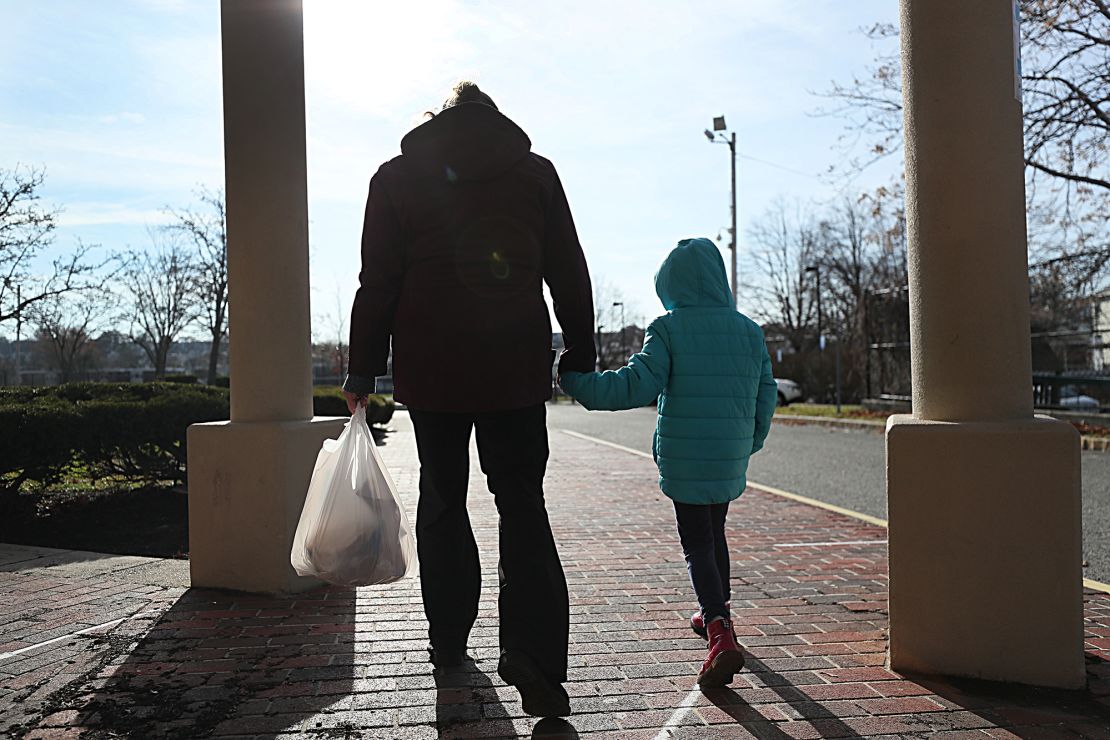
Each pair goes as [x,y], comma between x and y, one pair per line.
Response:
[136,430]
[180,378]
[328,400]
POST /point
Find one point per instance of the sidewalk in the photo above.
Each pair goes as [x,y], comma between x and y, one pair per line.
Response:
[158,660]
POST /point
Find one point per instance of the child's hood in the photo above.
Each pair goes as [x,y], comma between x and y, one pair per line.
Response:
[693,275]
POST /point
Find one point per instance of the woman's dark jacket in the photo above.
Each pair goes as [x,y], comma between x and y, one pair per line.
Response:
[461,232]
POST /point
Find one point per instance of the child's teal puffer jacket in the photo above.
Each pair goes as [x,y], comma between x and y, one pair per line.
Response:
[709,366]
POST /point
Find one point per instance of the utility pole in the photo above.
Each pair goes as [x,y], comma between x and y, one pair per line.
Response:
[624,350]
[816,270]
[732,246]
[717,137]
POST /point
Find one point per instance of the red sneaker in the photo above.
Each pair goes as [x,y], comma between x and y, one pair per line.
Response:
[725,657]
[697,624]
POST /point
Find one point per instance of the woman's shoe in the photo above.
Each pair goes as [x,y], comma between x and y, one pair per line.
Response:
[725,657]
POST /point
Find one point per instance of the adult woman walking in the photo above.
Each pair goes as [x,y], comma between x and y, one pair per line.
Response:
[461,231]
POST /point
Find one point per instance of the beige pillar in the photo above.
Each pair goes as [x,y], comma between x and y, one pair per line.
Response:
[248,477]
[984,497]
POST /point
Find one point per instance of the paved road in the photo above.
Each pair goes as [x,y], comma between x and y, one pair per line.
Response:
[841,467]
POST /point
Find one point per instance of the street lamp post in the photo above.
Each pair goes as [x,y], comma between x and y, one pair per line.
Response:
[624,351]
[816,270]
[817,273]
[716,136]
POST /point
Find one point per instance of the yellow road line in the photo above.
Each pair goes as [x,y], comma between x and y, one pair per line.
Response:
[1087,582]
[759,486]
[819,504]
[1097,585]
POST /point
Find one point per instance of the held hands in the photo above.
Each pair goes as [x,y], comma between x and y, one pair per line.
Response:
[354,401]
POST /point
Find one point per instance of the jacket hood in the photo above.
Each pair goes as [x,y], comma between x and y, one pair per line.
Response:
[693,275]
[469,141]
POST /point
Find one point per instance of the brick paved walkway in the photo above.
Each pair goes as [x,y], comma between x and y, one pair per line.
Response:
[338,663]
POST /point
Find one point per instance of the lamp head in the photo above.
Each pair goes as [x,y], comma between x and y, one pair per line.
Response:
[709,135]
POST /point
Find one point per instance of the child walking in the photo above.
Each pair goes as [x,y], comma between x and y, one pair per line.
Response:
[708,366]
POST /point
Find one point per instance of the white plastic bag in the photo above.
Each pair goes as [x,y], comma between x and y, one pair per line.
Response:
[353,530]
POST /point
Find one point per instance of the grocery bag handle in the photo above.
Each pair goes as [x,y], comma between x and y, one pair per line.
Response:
[358,419]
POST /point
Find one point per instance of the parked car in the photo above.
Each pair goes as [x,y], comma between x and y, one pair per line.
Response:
[789,391]
[1071,398]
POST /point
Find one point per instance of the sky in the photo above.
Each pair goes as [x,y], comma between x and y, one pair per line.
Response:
[120,102]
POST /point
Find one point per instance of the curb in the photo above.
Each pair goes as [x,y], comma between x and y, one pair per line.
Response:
[854,424]
[1095,444]
[1087,442]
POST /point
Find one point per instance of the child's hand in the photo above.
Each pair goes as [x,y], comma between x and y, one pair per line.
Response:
[566,381]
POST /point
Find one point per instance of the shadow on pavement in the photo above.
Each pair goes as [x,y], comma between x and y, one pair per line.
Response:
[461,696]
[1015,706]
[823,720]
[467,706]
[226,663]
[555,729]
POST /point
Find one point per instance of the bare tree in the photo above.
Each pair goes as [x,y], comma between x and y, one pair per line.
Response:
[329,331]
[26,231]
[845,259]
[1065,91]
[162,285]
[1066,79]
[206,228]
[1066,97]
[870,104]
[835,271]
[65,326]
[785,242]
[614,346]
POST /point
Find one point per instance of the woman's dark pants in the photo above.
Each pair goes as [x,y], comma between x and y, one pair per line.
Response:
[701,528]
[534,608]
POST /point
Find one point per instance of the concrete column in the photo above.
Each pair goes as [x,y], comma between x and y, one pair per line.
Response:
[267,210]
[248,477]
[984,497]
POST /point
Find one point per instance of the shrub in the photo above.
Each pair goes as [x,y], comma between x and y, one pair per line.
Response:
[183,378]
[328,400]
[137,430]
[37,439]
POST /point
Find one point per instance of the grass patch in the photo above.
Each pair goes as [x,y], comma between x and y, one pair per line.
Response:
[847,411]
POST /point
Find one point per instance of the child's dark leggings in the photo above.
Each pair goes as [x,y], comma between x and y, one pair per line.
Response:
[701,527]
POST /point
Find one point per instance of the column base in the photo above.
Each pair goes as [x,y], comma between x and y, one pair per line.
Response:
[247,484]
[985,550]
